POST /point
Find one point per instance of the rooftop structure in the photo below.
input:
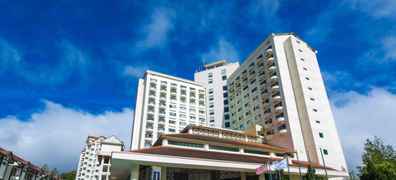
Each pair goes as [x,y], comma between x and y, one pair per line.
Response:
[200,152]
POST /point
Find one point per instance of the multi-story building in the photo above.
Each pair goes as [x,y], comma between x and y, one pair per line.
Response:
[95,158]
[280,87]
[200,152]
[214,76]
[166,104]
[15,167]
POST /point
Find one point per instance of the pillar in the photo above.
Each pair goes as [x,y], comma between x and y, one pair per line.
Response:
[243,176]
[163,173]
[134,172]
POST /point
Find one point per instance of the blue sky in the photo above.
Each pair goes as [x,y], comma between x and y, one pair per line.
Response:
[81,60]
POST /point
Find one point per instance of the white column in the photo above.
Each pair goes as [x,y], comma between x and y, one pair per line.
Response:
[243,176]
[262,177]
[135,172]
[163,173]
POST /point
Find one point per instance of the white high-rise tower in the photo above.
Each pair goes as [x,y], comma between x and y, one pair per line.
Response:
[215,78]
[280,87]
[166,104]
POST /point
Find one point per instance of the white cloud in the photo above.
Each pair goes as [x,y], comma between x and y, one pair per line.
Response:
[57,134]
[71,60]
[376,9]
[157,30]
[268,8]
[222,50]
[361,116]
[134,71]
[9,56]
[389,46]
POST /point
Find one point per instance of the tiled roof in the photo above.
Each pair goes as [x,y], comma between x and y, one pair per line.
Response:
[17,158]
[223,140]
[203,154]
[184,152]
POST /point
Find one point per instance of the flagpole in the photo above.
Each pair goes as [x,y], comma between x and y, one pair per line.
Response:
[270,172]
[288,168]
[299,167]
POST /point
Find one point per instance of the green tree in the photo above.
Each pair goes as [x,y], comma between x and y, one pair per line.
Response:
[379,161]
[71,175]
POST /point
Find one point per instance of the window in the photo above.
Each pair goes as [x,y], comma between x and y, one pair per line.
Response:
[223,148]
[302,59]
[321,135]
[315,110]
[309,88]
[227,124]
[210,81]
[186,144]
[150,117]
[254,89]
[226,116]
[225,102]
[225,94]
[312,99]
[224,88]
[307,78]
[325,152]
[317,121]
[300,50]
[224,77]
[305,69]
[251,151]
[226,109]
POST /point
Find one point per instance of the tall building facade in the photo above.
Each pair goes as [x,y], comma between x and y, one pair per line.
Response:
[95,158]
[280,87]
[166,104]
[215,76]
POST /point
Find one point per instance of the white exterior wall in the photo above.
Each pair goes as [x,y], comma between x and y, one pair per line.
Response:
[217,119]
[90,166]
[295,128]
[299,82]
[176,117]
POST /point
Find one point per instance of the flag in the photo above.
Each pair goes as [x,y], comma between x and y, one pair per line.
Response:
[263,169]
[277,165]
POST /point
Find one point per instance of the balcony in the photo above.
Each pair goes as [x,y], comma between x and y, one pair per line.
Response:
[275,87]
[274,78]
[279,108]
[272,68]
[281,118]
[270,60]
[268,53]
[283,131]
[276,98]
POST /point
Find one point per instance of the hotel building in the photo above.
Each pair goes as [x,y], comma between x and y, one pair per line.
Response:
[204,153]
[214,76]
[166,104]
[280,87]
[95,159]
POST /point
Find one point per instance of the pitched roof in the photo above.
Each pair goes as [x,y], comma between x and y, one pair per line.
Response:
[223,140]
[203,154]
[184,152]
